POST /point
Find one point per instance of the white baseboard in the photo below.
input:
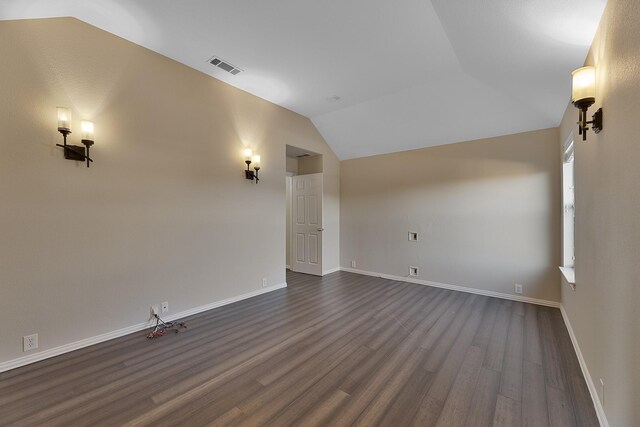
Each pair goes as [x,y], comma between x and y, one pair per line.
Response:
[333,270]
[456,288]
[585,372]
[66,348]
[288,267]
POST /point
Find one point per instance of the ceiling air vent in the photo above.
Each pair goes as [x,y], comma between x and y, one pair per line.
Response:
[225,65]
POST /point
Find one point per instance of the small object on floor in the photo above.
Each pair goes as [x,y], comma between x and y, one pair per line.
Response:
[161,327]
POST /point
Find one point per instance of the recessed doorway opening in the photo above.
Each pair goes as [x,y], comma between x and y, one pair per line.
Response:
[304,227]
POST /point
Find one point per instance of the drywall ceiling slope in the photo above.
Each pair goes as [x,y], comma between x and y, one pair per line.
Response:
[409,73]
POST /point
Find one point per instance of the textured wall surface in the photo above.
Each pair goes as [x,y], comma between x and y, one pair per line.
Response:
[487,213]
[164,213]
[603,310]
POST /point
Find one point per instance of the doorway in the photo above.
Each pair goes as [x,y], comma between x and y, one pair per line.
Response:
[304,224]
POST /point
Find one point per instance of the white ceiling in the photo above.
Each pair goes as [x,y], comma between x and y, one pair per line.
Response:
[409,73]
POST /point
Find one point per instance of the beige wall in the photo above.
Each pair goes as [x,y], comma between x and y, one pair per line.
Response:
[603,310]
[309,165]
[292,165]
[164,213]
[487,213]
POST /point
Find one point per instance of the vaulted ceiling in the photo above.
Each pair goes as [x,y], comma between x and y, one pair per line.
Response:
[374,76]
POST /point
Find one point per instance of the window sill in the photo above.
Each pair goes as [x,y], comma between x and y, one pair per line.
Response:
[569,275]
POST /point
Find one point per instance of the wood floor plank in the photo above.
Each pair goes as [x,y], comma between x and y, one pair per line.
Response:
[208,408]
[534,396]
[482,407]
[260,411]
[368,390]
[483,334]
[307,400]
[375,410]
[560,409]
[403,408]
[323,410]
[495,350]
[251,350]
[443,345]
[363,395]
[229,418]
[434,401]
[508,413]
[344,349]
[354,379]
[444,319]
[293,391]
[532,347]
[511,379]
[454,412]
[552,359]
[221,374]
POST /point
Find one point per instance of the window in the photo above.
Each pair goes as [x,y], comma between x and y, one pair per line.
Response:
[569,211]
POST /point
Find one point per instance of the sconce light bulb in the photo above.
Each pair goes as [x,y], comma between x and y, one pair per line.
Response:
[87,133]
[64,119]
[247,154]
[583,90]
[256,162]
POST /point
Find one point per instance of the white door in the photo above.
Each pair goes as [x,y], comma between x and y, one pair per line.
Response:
[307,224]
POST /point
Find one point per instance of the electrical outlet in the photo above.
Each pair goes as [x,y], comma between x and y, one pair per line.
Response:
[353,264]
[413,236]
[29,342]
[264,282]
[413,271]
[154,310]
[518,288]
[165,306]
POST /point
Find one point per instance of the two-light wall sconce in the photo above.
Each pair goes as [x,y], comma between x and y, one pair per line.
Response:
[583,96]
[250,158]
[75,152]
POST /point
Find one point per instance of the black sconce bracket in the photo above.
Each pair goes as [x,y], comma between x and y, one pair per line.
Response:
[75,152]
[583,124]
[597,121]
[251,174]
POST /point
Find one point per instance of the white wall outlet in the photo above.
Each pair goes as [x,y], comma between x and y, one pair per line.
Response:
[29,342]
[154,310]
[413,271]
[413,236]
[518,288]
[264,282]
[165,306]
[353,264]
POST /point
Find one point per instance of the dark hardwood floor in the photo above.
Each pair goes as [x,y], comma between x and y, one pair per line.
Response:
[340,350]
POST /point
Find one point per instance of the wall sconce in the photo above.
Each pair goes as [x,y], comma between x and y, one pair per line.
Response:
[583,96]
[249,158]
[75,152]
